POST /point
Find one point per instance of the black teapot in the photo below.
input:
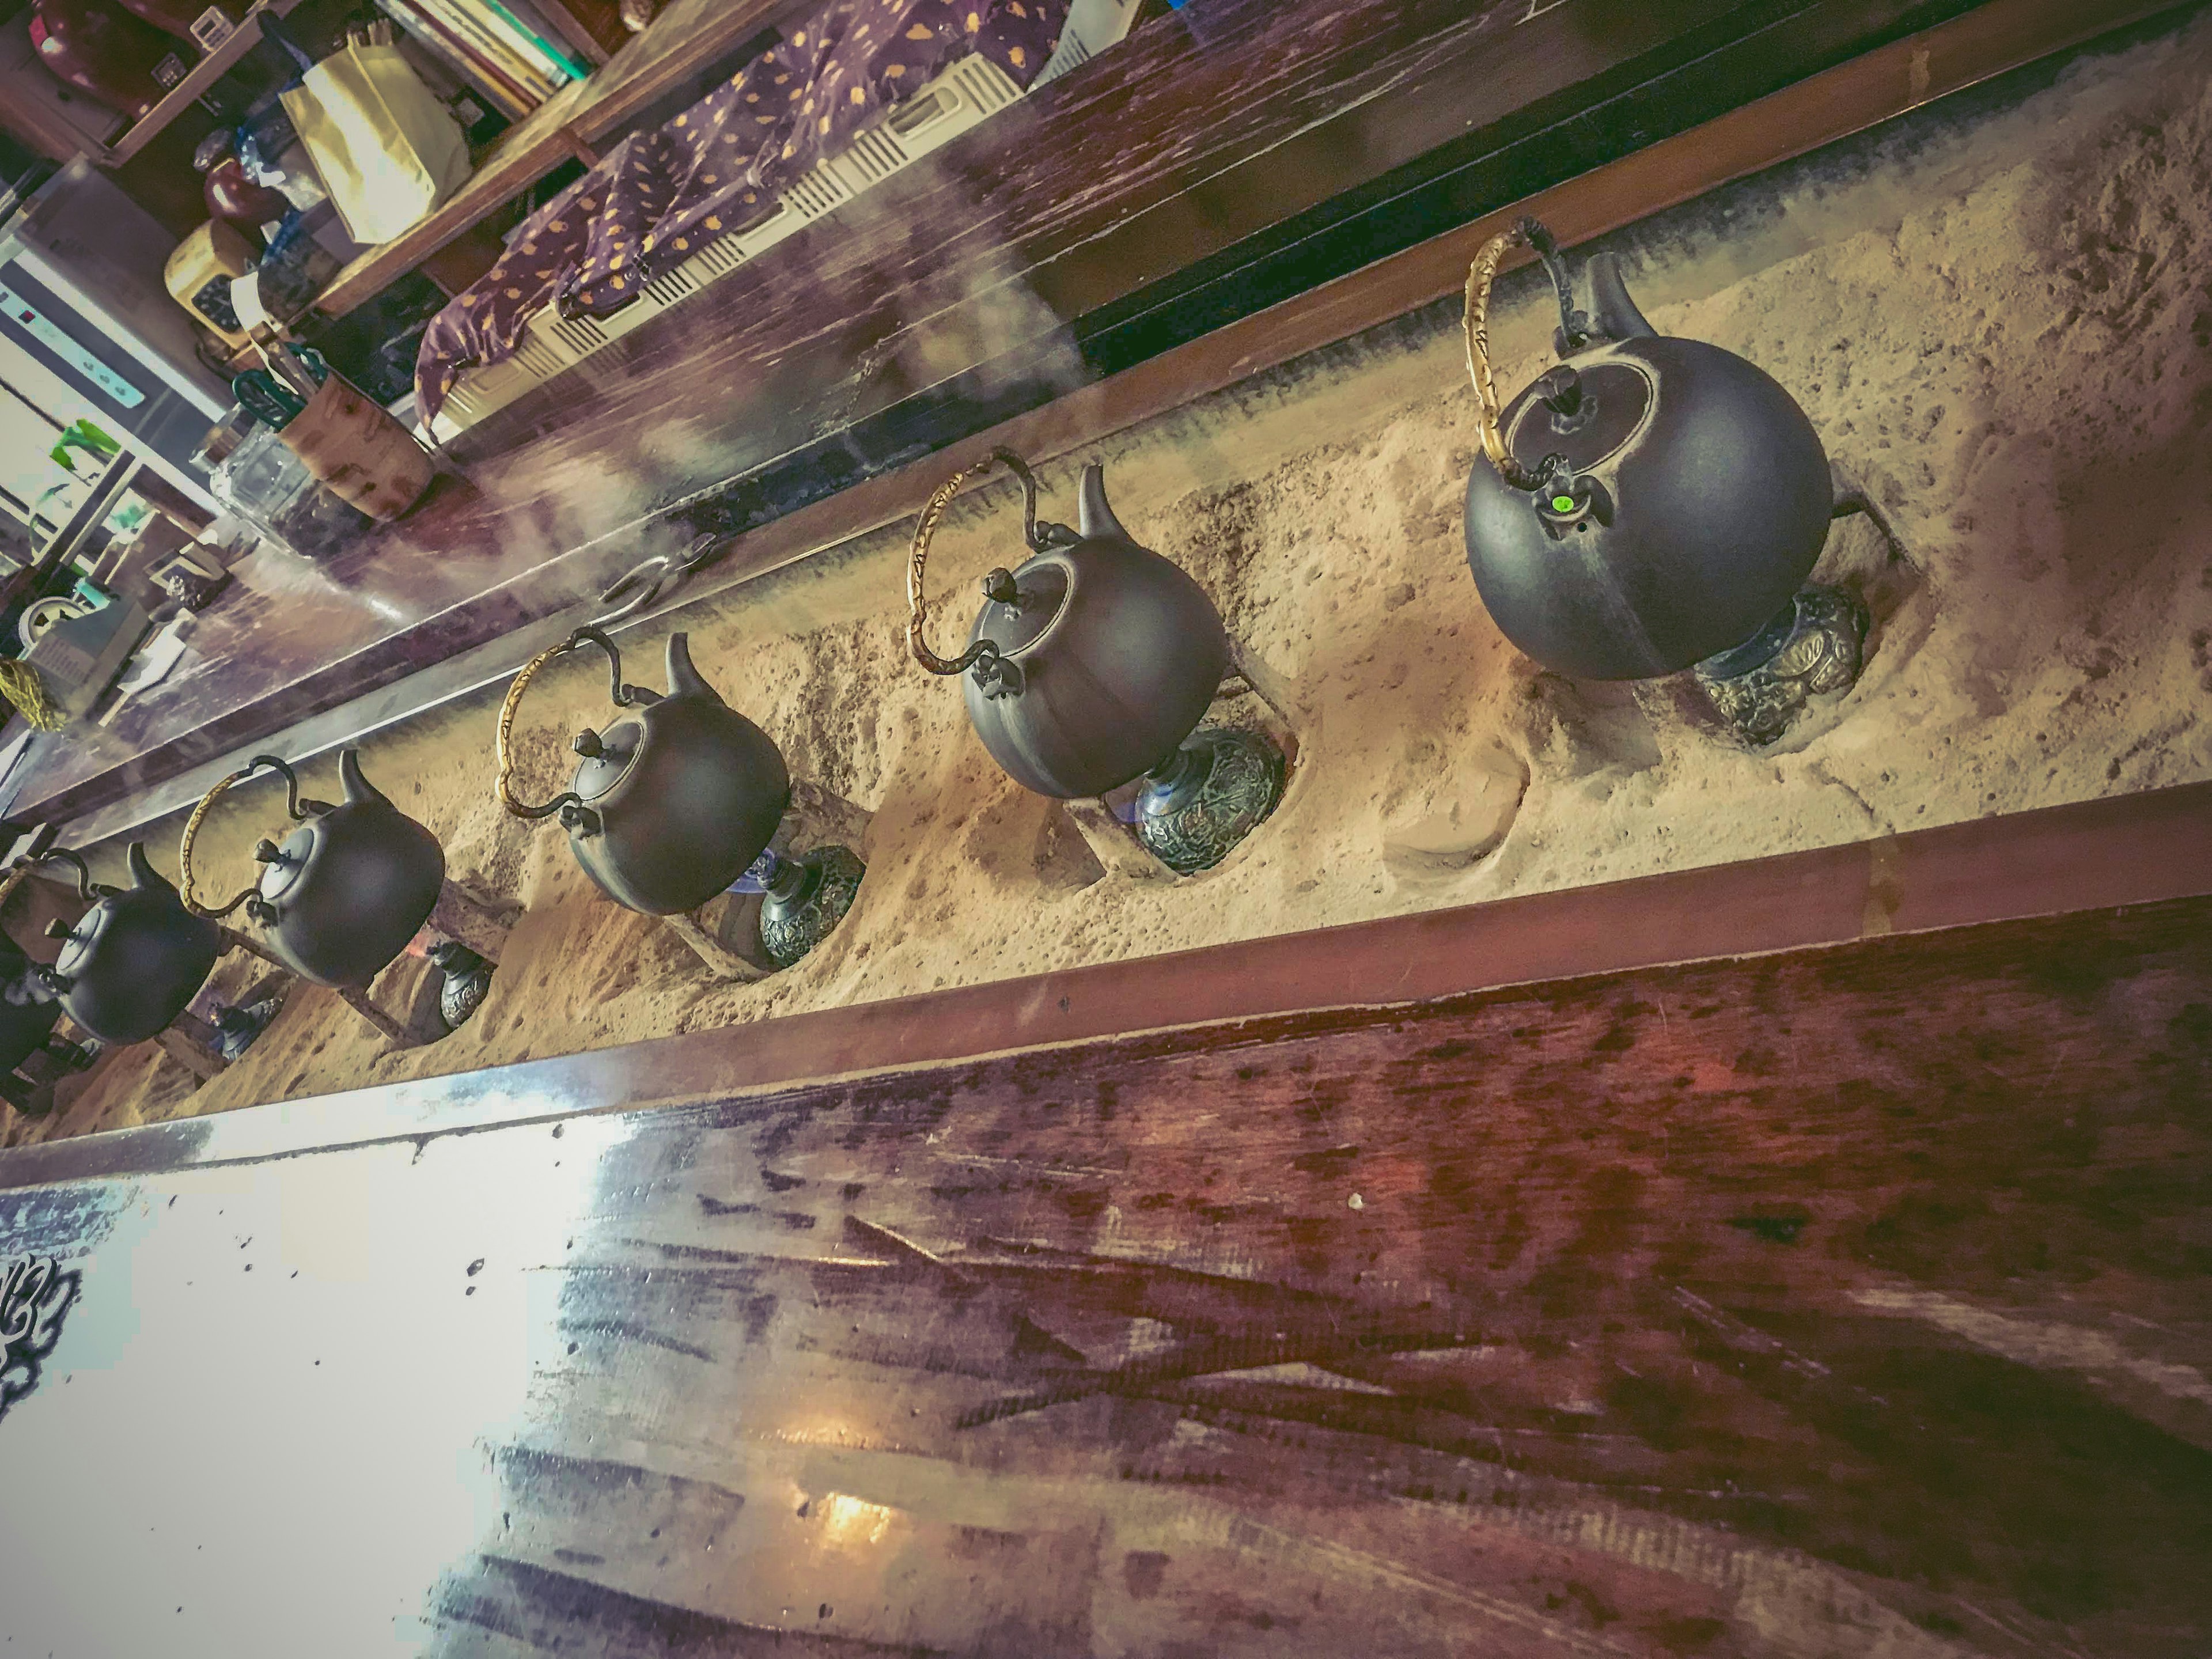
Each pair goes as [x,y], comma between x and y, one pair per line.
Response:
[1088,665]
[29,1012]
[134,962]
[346,890]
[1650,501]
[670,806]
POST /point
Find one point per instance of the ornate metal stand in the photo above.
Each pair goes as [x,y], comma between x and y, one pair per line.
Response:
[806,897]
[472,938]
[810,881]
[464,978]
[1222,783]
[1219,786]
[1815,646]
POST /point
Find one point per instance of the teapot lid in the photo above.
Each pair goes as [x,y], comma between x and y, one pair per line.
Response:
[608,756]
[78,942]
[1584,415]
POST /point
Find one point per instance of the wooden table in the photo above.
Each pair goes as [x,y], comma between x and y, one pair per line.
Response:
[1838,1289]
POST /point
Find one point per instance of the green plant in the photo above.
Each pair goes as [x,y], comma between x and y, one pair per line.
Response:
[83,435]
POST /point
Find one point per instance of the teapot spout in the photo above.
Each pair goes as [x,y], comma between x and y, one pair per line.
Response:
[144,875]
[1095,519]
[357,788]
[1614,315]
[684,680]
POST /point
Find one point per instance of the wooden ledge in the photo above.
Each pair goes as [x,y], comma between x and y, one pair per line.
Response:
[2094,855]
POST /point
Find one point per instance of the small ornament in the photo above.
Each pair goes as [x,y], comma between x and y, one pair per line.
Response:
[190,587]
[237,1028]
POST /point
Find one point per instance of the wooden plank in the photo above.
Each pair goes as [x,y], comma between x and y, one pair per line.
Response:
[574,19]
[210,68]
[2139,849]
[1845,1302]
[685,41]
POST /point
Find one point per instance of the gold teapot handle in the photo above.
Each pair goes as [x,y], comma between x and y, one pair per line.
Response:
[20,872]
[997,585]
[1474,322]
[624,696]
[293,805]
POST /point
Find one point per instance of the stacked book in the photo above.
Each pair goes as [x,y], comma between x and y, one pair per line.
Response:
[503,48]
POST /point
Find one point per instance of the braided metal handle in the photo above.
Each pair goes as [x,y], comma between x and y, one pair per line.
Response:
[997,585]
[292,806]
[624,695]
[20,872]
[1474,321]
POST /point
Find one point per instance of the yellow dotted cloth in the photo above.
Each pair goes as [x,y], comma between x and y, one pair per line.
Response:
[659,196]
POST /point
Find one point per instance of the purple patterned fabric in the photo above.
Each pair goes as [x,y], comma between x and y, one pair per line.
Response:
[659,196]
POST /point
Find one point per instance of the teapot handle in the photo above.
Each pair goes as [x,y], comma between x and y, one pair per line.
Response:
[292,806]
[1475,323]
[624,697]
[1039,536]
[20,872]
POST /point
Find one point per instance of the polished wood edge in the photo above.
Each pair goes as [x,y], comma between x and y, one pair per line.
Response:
[1890,81]
[2091,855]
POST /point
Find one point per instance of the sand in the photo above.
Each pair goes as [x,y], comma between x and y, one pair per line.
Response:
[1998,314]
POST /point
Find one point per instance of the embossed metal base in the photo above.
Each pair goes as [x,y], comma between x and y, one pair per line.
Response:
[467,978]
[806,897]
[1219,786]
[1817,645]
[237,1028]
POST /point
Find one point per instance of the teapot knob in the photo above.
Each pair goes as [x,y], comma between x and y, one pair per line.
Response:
[999,587]
[266,852]
[60,929]
[587,745]
[1561,390]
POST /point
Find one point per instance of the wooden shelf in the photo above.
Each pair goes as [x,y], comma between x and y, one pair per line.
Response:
[188,91]
[685,41]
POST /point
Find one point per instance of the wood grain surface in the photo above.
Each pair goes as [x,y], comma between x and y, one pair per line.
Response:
[1830,1301]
